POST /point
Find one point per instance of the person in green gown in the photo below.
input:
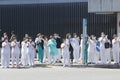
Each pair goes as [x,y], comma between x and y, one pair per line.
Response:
[53,52]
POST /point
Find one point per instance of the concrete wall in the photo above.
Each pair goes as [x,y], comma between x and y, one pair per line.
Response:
[104,6]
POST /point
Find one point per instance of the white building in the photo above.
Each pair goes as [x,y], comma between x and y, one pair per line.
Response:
[105,7]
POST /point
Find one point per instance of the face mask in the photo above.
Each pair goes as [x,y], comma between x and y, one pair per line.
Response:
[55,36]
[30,40]
[15,40]
[75,36]
[115,38]
[102,35]
[92,38]
[46,39]
[69,36]
[6,40]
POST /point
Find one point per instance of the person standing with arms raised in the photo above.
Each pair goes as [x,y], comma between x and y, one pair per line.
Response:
[53,52]
[40,47]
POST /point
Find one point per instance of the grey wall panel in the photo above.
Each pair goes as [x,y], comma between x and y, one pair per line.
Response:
[12,2]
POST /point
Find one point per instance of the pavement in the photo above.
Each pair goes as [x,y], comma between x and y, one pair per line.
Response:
[57,72]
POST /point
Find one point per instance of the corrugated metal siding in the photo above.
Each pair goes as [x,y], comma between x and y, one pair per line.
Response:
[55,17]
[12,2]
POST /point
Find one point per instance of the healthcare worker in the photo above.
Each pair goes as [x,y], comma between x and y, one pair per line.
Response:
[102,48]
[15,51]
[107,49]
[91,50]
[81,49]
[53,51]
[5,53]
[40,47]
[24,52]
[76,47]
[31,52]
[45,49]
[97,52]
[58,41]
[115,49]
[65,52]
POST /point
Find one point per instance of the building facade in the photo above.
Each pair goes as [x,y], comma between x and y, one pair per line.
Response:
[57,17]
[106,7]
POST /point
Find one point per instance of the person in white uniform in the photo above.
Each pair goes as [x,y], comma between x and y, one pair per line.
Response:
[15,51]
[97,52]
[65,52]
[91,50]
[24,51]
[31,52]
[45,49]
[58,41]
[76,47]
[115,49]
[107,49]
[81,49]
[5,53]
[102,48]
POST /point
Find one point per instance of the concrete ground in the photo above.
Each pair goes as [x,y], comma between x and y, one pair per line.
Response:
[57,72]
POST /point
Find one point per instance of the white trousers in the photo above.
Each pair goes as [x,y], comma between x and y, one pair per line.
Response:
[81,54]
[25,58]
[31,57]
[96,57]
[15,57]
[107,55]
[5,59]
[45,54]
[52,59]
[116,56]
[58,57]
[91,56]
[76,54]
[66,58]
[103,56]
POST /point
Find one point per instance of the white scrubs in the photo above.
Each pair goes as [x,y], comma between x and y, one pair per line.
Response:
[24,57]
[32,53]
[75,45]
[45,51]
[5,54]
[91,51]
[102,51]
[15,52]
[81,50]
[107,53]
[29,53]
[65,53]
[115,50]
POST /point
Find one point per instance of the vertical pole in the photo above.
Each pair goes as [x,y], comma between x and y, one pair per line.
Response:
[84,51]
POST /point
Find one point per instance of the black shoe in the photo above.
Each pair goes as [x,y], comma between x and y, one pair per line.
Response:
[60,61]
[89,63]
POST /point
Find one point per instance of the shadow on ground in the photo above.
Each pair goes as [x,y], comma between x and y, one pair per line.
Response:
[35,66]
[105,66]
[108,66]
